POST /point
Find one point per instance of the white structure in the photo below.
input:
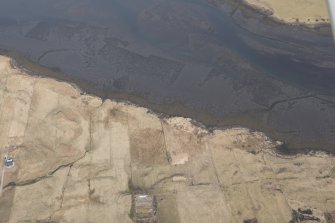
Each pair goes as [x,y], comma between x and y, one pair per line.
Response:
[9,162]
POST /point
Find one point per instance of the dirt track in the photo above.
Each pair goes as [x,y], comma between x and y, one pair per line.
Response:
[79,159]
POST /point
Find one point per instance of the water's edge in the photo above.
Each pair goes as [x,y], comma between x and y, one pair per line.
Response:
[203,120]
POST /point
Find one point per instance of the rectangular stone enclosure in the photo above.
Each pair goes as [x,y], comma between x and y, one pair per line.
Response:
[144,208]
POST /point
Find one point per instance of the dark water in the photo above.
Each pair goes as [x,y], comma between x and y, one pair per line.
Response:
[186,57]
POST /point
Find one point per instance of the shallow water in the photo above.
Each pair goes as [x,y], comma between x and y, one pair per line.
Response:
[186,57]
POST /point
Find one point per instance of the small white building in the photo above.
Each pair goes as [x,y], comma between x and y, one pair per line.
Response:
[9,162]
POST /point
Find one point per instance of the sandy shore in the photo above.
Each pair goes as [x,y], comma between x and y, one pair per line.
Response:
[310,12]
[81,159]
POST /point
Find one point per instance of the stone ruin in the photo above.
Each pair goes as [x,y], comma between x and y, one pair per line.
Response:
[144,208]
